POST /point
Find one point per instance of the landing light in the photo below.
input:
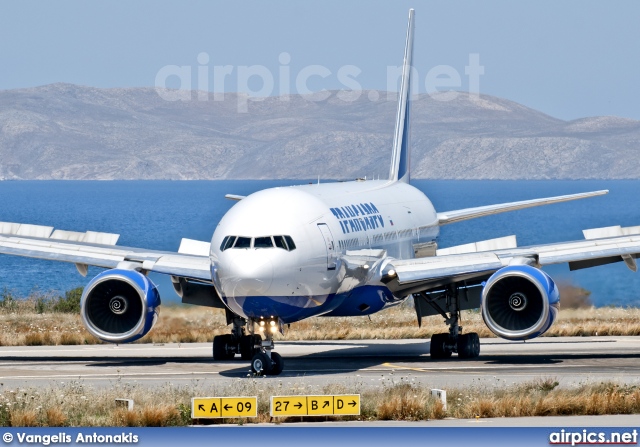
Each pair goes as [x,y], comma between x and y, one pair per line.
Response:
[268,325]
[388,276]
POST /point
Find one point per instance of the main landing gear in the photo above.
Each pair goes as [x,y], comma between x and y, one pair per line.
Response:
[251,346]
[443,345]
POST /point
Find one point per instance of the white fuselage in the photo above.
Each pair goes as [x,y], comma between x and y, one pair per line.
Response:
[325,221]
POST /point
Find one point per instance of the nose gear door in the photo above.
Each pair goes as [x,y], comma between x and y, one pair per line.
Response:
[329,244]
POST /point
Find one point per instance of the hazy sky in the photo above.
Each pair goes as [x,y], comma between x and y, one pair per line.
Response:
[570,59]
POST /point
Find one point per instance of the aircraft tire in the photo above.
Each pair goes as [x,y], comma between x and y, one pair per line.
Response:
[220,347]
[278,364]
[261,364]
[438,346]
[465,346]
[247,343]
[476,344]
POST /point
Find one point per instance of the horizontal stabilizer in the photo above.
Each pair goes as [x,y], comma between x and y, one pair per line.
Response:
[234,197]
[476,247]
[448,217]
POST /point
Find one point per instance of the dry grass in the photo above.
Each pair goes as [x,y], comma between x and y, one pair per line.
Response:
[25,418]
[28,322]
[55,417]
[154,415]
[24,327]
[405,402]
[540,399]
[74,404]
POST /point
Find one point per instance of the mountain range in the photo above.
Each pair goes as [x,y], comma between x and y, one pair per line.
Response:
[65,131]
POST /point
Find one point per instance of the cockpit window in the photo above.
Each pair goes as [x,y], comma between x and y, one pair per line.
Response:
[263,242]
[280,243]
[290,243]
[227,242]
[284,242]
[242,242]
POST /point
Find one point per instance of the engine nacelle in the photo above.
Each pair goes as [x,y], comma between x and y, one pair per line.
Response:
[120,306]
[520,302]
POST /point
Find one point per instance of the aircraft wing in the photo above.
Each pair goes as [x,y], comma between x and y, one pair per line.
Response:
[415,275]
[448,217]
[99,249]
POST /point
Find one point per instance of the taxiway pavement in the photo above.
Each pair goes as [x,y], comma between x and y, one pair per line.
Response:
[570,360]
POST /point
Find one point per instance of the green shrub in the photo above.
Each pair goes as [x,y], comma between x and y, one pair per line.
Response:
[70,302]
[7,299]
[42,304]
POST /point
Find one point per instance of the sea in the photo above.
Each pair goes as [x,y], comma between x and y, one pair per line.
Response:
[157,214]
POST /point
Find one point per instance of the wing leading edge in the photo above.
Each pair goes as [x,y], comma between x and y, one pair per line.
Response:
[98,249]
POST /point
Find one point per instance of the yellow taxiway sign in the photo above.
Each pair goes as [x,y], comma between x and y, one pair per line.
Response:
[338,405]
[224,407]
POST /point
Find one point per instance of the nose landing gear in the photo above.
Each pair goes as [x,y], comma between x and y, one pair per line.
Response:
[266,361]
[250,345]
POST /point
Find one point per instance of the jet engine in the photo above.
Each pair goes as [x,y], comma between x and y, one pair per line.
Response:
[520,302]
[120,306]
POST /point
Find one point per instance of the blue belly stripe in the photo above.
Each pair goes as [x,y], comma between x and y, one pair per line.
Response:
[363,300]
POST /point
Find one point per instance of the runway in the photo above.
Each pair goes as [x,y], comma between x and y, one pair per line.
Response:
[571,360]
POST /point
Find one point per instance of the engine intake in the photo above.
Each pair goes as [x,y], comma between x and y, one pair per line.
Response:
[120,306]
[520,302]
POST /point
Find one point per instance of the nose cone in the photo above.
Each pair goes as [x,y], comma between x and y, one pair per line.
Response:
[249,273]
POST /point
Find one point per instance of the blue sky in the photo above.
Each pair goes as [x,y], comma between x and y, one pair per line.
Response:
[570,58]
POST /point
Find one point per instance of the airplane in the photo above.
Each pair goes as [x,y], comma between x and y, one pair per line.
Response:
[354,248]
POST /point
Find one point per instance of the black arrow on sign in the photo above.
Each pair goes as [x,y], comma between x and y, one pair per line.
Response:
[326,404]
[201,407]
[226,407]
[298,405]
[352,403]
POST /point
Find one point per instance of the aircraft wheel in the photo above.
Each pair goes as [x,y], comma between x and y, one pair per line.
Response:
[278,364]
[221,349]
[247,343]
[468,346]
[438,346]
[465,346]
[476,344]
[261,364]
